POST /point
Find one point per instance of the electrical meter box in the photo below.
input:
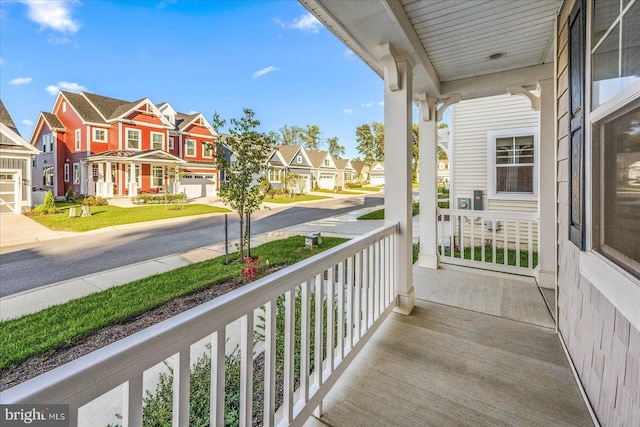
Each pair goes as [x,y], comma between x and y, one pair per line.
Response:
[464,203]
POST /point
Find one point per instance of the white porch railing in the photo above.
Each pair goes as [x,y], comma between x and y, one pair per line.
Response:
[358,277]
[493,240]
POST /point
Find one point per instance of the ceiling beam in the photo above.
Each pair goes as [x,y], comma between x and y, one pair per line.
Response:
[497,83]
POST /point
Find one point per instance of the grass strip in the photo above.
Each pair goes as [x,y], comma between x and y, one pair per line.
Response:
[108,216]
[61,325]
[322,190]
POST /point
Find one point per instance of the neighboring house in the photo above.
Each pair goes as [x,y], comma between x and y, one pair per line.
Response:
[495,150]
[276,169]
[443,171]
[345,172]
[109,147]
[376,173]
[360,171]
[297,161]
[324,169]
[16,157]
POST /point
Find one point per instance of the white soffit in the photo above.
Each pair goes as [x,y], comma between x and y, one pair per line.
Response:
[450,41]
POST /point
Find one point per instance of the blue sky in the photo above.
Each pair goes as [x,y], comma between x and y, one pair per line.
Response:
[205,56]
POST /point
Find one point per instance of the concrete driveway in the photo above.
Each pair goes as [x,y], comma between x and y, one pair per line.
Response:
[19,230]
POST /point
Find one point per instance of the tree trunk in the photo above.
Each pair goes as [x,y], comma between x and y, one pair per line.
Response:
[241,244]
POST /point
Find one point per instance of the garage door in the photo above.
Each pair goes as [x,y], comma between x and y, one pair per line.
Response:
[377,179]
[195,186]
[326,181]
[9,193]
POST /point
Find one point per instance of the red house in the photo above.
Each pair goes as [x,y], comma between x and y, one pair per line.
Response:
[109,147]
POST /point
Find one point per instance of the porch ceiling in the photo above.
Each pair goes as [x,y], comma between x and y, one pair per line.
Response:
[450,42]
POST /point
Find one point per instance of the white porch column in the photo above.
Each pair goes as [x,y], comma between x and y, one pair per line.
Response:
[428,182]
[397,156]
[133,182]
[109,180]
[546,188]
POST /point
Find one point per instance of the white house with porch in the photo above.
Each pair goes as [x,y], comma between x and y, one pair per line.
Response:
[393,355]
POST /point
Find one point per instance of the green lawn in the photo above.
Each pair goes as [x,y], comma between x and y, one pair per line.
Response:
[61,325]
[488,255]
[288,199]
[372,189]
[354,191]
[379,214]
[106,216]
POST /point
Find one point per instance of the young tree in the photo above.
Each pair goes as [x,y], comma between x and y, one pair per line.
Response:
[295,182]
[249,152]
[370,140]
[336,150]
[290,135]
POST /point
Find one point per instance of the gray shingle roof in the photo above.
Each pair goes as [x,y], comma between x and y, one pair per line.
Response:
[341,163]
[288,151]
[83,107]
[53,120]
[357,165]
[110,107]
[5,118]
[316,157]
[182,120]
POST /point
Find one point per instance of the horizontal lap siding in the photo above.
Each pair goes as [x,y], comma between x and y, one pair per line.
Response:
[603,345]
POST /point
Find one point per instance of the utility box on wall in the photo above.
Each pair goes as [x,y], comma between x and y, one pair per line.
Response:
[477,200]
[464,203]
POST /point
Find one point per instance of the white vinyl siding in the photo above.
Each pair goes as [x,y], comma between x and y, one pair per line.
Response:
[471,121]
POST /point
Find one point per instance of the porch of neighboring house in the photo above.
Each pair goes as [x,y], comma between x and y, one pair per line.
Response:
[480,348]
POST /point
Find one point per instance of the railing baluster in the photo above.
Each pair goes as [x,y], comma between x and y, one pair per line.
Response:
[181,380]
[506,243]
[132,401]
[462,219]
[216,409]
[331,295]
[365,291]
[358,296]
[289,347]
[305,342]
[246,369]
[318,344]
[341,310]
[473,238]
[271,309]
[517,243]
[483,243]
[350,302]
[530,243]
[494,241]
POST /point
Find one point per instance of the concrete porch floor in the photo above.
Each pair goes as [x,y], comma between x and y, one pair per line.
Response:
[479,349]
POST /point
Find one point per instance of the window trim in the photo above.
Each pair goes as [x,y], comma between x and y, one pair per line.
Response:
[275,170]
[171,142]
[95,137]
[152,134]
[77,140]
[186,147]
[139,132]
[153,177]
[76,173]
[67,173]
[492,193]
[204,145]
[47,142]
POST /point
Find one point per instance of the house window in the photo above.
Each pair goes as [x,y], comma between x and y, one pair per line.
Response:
[325,163]
[47,175]
[615,41]
[274,175]
[616,188]
[64,106]
[77,139]
[190,145]
[76,173]
[138,177]
[512,163]
[66,172]
[47,142]
[157,176]
[207,149]
[100,135]
[299,159]
[133,139]
[171,142]
[157,141]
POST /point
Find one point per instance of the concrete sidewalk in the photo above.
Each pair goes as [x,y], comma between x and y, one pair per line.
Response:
[31,301]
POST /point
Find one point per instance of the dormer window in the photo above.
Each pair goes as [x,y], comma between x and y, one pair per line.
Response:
[299,159]
[325,163]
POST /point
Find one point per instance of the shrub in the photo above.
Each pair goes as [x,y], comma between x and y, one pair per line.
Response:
[94,201]
[265,186]
[160,199]
[415,207]
[39,210]
[49,201]
[353,185]
[271,192]
[69,196]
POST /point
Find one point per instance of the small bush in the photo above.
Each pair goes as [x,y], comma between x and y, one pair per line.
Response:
[271,192]
[353,185]
[94,201]
[39,210]
[265,186]
[415,207]
[69,196]
[49,201]
[160,199]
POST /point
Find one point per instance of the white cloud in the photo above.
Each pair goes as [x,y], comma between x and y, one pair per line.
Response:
[71,87]
[381,103]
[20,81]
[55,40]
[27,122]
[193,112]
[368,104]
[53,14]
[348,110]
[264,71]
[306,22]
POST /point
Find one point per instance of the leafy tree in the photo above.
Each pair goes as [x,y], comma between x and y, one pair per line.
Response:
[442,155]
[415,149]
[290,135]
[310,137]
[443,126]
[250,150]
[370,140]
[294,182]
[336,150]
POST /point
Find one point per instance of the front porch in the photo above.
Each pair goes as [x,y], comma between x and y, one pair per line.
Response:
[478,349]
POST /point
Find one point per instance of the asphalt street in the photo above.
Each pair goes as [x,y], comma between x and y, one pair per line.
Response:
[40,264]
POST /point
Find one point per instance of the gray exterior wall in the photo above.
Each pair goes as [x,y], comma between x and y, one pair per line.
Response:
[604,347]
[22,164]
